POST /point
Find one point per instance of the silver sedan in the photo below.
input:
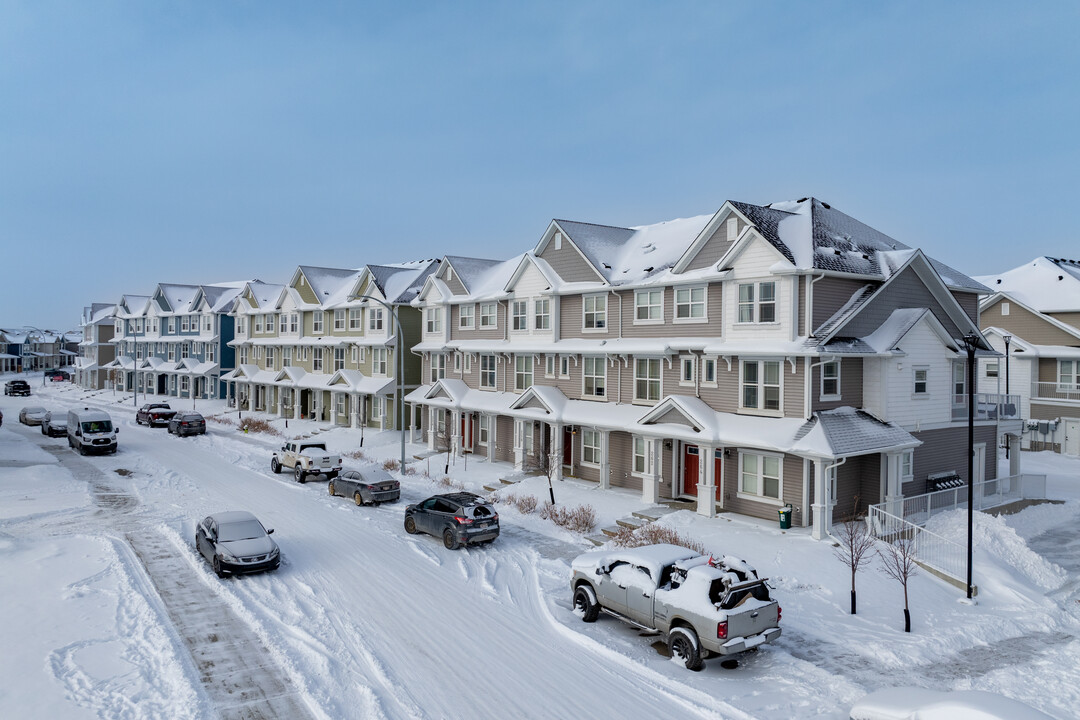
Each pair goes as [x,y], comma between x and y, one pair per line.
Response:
[33,415]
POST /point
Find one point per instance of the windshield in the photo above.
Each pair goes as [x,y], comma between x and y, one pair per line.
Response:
[243,530]
[97,426]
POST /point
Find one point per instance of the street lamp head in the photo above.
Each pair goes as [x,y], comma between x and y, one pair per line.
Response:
[1007,339]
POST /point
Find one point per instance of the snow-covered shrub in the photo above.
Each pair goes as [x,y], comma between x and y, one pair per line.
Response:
[654,533]
[580,519]
[408,470]
[446,482]
[221,420]
[257,425]
[356,454]
[390,464]
[526,504]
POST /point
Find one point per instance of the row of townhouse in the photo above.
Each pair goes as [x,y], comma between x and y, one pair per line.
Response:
[26,349]
[174,342]
[325,345]
[1037,308]
[757,357]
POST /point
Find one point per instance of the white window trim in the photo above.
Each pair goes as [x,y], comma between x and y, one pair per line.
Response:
[494,372]
[494,315]
[683,361]
[551,363]
[536,315]
[822,395]
[918,395]
[564,362]
[660,394]
[603,365]
[743,410]
[761,479]
[595,296]
[675,319]
[649,321]
[462,316]
[524,316]
[757,302]
[599,447]
[633,455]
[716,369]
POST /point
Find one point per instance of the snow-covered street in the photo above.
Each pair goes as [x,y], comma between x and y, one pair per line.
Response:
[362,620]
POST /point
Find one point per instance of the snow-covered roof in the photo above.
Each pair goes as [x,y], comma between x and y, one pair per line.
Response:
[178,298]
[327,282]
[846,432]
[265,294]
[631,255]
[1045,284]
[470,269]
[401,282]
[220,298]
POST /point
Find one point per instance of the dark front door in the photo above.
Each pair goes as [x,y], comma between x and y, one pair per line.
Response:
[568,447]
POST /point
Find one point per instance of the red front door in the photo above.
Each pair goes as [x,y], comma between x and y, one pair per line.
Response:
[690,469]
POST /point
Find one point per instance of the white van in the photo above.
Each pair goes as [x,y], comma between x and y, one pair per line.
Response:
[91,431]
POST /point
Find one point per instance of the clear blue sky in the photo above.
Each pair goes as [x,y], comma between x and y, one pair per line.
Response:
[146,142]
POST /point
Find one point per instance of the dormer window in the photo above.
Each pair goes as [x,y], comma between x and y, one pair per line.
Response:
[433,315]
[317,322]
[520,315]
[542,315]
[375,319]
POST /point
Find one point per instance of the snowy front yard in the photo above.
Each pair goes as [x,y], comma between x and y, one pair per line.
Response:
[366,621]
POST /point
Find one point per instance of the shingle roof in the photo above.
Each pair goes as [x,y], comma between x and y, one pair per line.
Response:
[854,432]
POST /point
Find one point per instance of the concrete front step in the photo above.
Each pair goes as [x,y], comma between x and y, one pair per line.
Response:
[632,522]
[493,488]
[597,539]
[611,530]
[653,514]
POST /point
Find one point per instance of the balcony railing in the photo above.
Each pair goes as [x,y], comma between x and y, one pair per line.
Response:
[1068,392]
[988,406]
[918,509]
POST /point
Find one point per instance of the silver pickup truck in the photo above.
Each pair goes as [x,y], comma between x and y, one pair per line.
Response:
[704,607]
[306,458]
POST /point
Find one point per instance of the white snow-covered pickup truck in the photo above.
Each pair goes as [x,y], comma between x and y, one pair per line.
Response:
[704,607]
[306,458]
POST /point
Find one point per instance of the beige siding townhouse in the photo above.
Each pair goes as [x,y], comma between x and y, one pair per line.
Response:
[747,360]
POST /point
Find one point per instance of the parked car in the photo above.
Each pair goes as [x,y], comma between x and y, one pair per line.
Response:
[57,375]
[914,703]
[33,415]
[236,542]
[306,458]
[154,414]
[91,431]
[458,518]
[1,418]
[16,387]
[703,607]
[187,423]
[54,424]
[370,486]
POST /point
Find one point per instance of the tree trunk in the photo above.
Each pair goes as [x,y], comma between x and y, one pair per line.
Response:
[907,621]
[852,602]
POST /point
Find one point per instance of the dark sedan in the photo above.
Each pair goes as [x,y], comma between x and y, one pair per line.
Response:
[236,542]
[187,423]
[458,518]
[54,424]
[366,487]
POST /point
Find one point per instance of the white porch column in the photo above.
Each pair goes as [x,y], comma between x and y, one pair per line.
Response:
[556,456]
[492,436]
[432,428]
[412,423]
[706,491]
[650,481]
[821,502]
[894,496]
[519,444]
[385,410]
[605,459]
[455,433]
[296,403]
[1014,455]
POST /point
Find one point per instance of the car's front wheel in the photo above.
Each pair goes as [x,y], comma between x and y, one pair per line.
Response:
[275,466]
[683,643]
[449,540]
[585,603]
[410,525]
[217,567]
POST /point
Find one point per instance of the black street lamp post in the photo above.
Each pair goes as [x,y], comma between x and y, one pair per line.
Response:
[971,344]
[1008,438]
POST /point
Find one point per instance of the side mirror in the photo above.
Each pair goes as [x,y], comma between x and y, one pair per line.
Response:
[116,430]
[270,531]
[78,433]
[599,571]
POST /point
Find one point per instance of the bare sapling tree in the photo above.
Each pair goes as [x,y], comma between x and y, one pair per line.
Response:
[856,544]
[898,562]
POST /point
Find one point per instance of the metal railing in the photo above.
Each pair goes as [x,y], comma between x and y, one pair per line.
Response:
[931,549]
[918,509]
[988,406]
[1055,391]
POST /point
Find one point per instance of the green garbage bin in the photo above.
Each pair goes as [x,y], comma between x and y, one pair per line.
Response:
[785,517]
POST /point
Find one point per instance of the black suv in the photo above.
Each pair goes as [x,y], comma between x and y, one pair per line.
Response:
[458,518]
[16,387]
